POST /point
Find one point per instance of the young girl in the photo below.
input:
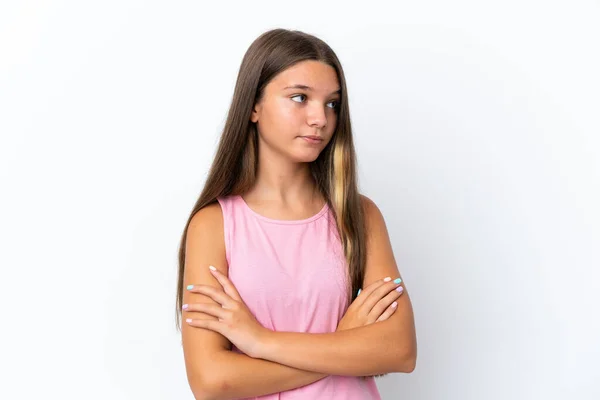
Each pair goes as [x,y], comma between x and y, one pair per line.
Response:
[280,241]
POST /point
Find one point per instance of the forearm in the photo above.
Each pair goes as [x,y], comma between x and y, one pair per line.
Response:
[369,350]
[234,375]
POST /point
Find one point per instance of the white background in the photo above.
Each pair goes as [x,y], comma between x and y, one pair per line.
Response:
[477,130]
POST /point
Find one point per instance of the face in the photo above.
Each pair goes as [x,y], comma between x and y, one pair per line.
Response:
[299,103]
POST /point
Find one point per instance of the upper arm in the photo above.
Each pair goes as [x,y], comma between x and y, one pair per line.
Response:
[381,263]
[380,260]
[205,246]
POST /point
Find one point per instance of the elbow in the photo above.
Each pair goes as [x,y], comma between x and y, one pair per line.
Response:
[201,391]
[208,379]
[409,364]
[407,361]
[204,388]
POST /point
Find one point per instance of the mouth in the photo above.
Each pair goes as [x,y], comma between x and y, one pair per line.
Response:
[312,139]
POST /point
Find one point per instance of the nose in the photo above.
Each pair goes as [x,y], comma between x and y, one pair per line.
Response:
[317,117]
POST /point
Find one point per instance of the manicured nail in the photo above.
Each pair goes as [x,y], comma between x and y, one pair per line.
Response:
[395,304]
[397,280]
[358,292]
[184,307]
[188,320]
[399,289]
[190,287]
[212,268]
[387,279]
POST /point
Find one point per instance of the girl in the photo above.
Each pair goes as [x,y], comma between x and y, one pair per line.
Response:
[280,241]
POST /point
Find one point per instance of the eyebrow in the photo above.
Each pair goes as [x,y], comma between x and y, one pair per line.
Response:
[299,86]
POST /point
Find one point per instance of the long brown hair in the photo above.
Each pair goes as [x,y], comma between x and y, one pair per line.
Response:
[234,167]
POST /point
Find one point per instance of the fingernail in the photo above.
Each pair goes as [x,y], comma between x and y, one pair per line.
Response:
[399,289]
[397,280]
[188,320]
[184,307]
[387,279]
[212,268]
[358,292]
[190,287]
[395,304]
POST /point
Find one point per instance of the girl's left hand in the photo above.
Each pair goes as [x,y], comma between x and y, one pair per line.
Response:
[234,319]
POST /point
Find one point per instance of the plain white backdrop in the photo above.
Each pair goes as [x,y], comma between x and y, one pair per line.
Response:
[477,131]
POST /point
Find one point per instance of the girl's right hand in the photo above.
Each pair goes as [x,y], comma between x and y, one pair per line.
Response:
[373,304]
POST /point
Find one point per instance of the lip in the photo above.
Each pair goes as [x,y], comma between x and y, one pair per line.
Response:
[312,139]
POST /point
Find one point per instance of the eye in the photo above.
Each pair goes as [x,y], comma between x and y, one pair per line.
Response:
[298,95]
[337,104]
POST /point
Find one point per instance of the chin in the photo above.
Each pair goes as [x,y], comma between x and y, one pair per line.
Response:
[306,157]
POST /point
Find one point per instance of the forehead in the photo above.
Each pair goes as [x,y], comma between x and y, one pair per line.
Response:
[320,77]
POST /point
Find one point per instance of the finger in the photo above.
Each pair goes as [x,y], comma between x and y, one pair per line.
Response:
[379,293]
[383,304]
[214,310]
[216,294]
[213,325]
[364,293]
[388,312]
[228,286]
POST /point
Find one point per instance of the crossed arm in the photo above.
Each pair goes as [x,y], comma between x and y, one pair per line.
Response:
[290,360]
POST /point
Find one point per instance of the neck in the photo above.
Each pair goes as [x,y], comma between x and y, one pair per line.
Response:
[281,180]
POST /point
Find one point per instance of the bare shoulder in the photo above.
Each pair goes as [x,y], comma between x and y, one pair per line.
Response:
[373,216]
[205,243]
[207,219]
[366,201]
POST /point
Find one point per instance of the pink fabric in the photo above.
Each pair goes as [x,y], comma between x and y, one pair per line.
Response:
[292,276]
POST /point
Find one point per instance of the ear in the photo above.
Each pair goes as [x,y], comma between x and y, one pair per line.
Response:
[255,113]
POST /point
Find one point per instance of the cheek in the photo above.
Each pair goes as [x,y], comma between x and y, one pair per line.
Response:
[288,110]
[283,117]
[332,123]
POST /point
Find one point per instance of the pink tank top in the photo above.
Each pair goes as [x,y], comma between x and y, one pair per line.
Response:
[292,276]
